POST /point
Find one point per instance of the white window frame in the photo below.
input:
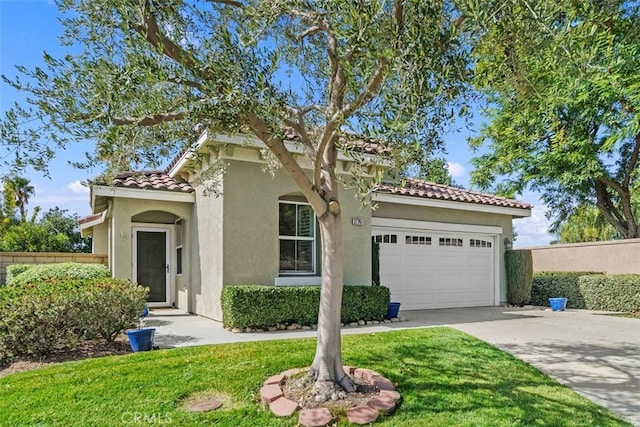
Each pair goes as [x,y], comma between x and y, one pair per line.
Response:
[313,239]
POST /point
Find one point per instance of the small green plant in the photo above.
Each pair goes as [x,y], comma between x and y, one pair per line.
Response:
[14,270]
[262,306]
[519,264]
[41,273]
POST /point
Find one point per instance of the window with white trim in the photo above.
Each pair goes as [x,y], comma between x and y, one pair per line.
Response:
[385,238]
[179,239]
[476,243]
[417,240]
[297,236]
[448,241]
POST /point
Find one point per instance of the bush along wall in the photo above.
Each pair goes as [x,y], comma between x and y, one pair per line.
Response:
[36,319]
[263,307]
[17,275]
[588,290]
[519,265]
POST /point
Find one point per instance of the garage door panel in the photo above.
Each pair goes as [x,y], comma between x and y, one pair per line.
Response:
[422,275]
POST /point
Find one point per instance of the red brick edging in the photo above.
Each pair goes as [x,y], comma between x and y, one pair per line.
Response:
[271,394]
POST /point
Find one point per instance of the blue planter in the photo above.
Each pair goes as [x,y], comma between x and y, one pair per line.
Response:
[558,304]
[141,339]
[392,311]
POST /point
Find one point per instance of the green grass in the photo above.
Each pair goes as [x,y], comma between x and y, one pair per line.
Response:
[446,378]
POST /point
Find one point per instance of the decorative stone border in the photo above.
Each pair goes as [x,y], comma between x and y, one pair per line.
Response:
[295,326]
[271,394]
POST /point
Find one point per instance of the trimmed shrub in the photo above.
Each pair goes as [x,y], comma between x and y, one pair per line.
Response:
[519,264]
[40,273]
[619,292]
[35,319]
[262,306]
[588,290]
[547,285]
[14,270]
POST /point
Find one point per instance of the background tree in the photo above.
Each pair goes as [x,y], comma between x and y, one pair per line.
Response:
[149,73]
[561,79]
[20,190]
[586,224]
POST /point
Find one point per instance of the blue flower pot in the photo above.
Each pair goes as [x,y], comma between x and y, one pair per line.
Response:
[392,311]
[558,304]
[141,339]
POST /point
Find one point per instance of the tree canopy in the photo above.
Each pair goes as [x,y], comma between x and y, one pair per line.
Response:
[148,76]
[563,90]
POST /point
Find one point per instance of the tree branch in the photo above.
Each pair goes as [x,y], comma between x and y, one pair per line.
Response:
[608,210]
[633,162]
[228,2]
[370,91]
[150,30]
[304,138]
[277,147]
[309,32]
[148,120]
[190,83]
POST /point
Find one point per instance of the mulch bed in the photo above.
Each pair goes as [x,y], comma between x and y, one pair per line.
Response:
[83,350]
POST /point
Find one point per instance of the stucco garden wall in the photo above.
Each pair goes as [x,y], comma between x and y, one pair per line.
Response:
[615,257]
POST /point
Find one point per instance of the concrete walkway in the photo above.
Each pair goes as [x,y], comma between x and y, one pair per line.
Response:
[595,354]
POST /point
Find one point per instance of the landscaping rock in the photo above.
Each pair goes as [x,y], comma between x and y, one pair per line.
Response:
[395,320]
[374,322]
[314,417]
[390,393]
[205,405]
[269,393]
[362,415]
[353,324]
[282,326]
[306,328]
[361,322]
[382,404]
[314,326]
[283,407]
[383,384]
[387,321]
[349,370]
[237,330]
[276,379]
[292,327]
[272,328]
[248,330]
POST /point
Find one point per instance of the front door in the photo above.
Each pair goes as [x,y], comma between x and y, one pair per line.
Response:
[151,265]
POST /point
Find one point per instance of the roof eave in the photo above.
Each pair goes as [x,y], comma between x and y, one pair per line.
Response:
[450,204]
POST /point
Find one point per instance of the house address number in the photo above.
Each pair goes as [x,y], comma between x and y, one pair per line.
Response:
[357,221]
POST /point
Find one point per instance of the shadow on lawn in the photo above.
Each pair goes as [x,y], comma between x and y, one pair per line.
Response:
[473,378]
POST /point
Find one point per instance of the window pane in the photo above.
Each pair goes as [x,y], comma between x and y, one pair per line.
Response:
[305,255]
[287,219]
[287,255]
[305,221]
[179,260]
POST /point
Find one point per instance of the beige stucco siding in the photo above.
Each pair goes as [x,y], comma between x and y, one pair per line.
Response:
[100,238]
[454,216]
[207,261]
[250,242]
[123,209]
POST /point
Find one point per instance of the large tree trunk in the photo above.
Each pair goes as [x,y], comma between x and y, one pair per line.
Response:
[327,364]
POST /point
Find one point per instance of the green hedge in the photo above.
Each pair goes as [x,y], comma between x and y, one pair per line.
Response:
[39,273]
[14,270]
[519,265]
[588,290]
[36,319]
[262,306]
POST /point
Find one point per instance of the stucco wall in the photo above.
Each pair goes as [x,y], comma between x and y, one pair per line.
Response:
[100,238]
[617,257]
[123,210]
[453,216]
[250,238]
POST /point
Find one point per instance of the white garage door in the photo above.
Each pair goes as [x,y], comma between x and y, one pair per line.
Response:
[438,269]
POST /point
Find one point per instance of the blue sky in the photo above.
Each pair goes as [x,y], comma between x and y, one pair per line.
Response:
[29,27]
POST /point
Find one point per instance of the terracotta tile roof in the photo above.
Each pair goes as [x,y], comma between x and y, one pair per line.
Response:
[348,139]
[151,180]
[89,218]
[429,190]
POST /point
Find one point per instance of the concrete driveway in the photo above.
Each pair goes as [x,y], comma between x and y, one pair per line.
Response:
[595,354]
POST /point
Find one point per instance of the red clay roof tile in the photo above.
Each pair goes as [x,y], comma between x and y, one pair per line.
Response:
[151,180]
[429,190]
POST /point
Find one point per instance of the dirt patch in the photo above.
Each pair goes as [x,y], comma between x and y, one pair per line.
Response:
[299,388]
[83,350]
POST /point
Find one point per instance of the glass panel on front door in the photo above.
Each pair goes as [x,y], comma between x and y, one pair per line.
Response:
[152,263]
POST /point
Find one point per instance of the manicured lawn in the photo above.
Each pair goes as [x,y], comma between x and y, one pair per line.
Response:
[446,378]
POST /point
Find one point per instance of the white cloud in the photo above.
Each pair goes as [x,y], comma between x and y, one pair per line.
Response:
[533,231]
[77,187]
[455,169]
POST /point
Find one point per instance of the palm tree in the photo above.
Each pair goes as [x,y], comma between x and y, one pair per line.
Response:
[20,190]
